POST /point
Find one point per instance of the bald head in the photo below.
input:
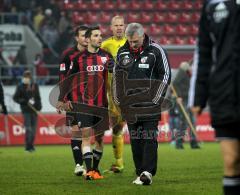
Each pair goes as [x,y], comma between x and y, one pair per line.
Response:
[118,26]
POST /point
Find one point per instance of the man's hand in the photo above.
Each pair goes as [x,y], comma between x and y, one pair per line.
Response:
[59,107]
[67,106]
[196,110]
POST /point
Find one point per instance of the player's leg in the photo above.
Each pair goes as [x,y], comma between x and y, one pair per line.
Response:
[117,144]
[76,144]
[86,150]
[97,153]
[27,125]
[231,157]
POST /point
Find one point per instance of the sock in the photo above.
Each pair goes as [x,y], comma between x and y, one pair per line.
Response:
[97,155]
[117,141]
[231,185]
[77,151]
[87,156]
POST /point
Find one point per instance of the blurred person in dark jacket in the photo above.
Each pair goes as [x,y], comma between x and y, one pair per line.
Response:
[3,108]
[28,96]
[181,84]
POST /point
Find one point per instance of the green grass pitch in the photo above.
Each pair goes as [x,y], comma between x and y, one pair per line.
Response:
[49,170]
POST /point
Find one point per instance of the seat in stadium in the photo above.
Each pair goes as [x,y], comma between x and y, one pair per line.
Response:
[145,17]
[92,18]
[78,18]
[198,5]
[164,40]
[105,30]
[132,17]
[81,5]
[168,29]
[187,5]
[195,17]
[185,18]
[154,29]
[191,40]
[68,5]
[105,17]
[161,5]
[171,17]
[122,5]
[159,17]
[108,5]
[174,5]
[179,40]
[182,29]
[148,5]
[193,29]
[135,5]
[95,5]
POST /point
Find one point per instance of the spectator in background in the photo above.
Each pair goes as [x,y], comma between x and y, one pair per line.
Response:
[64,22]
[50,33]
[3,108]
[41,71]
[38,18]
[28,96]
[181,84]
[19,62]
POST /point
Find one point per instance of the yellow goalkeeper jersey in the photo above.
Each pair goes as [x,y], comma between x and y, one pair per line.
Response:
[112,45]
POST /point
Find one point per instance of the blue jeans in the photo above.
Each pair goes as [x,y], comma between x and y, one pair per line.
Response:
[30,123]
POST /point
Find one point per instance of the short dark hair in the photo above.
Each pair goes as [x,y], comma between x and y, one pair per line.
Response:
[90,29]
[80,28]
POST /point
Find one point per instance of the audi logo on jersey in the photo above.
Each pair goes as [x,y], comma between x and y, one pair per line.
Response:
[95,68]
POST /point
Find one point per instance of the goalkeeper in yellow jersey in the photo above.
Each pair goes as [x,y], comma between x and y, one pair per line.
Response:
[112,45]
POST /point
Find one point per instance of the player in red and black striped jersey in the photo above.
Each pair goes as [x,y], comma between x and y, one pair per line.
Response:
[71,119]
[90,91]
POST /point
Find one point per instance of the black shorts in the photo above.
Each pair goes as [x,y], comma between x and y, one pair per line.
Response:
[228,131]
[71,119]
[97,123]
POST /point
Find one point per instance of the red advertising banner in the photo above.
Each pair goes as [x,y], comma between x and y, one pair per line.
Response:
[12,131]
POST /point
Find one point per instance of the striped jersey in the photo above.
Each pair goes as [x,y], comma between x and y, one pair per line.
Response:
[91,73]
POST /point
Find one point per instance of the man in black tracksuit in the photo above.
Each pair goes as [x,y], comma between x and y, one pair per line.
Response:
[216,77]
[140,80]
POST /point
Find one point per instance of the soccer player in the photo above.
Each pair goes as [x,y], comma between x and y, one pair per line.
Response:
[71,120]
[140,80]
[91,69]
[111,45]
[216,79]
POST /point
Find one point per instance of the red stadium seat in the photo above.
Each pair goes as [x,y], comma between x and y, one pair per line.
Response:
[174,5]
[191,40]
[94,5]
[198,5]
[166,40]
[159,17]
[193,29]
[132,17]
[168,29]
[105,17]
[122,5]
[68,5]
[161,5]
[135,5]
[78,18]
[145,17]
[171,17]
[182,29]
[154,29]
[184,18]
[195,17]
[108,5]
[187,5]
[179,41]
[105,30]
[148,5]
[81,5]
[92,18]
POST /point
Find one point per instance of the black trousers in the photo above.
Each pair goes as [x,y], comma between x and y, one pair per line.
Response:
[143,138]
